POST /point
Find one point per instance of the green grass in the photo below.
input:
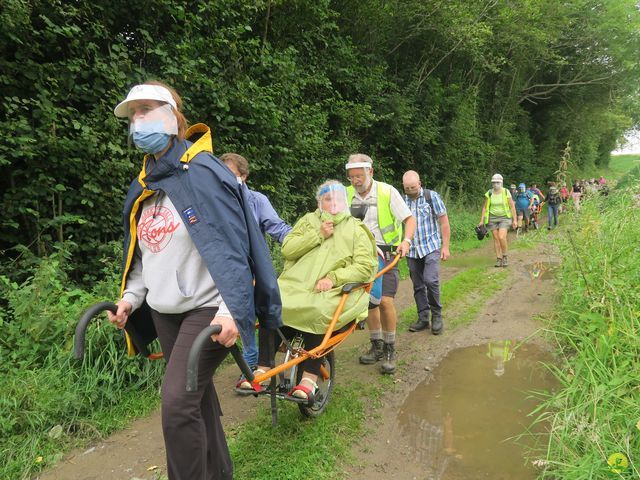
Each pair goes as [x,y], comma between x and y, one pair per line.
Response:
[596,412]
[456,248]
[454,260]
[464,295]
[465,245]
[620,165]
[298,448]
[532,238]
[83,403]
[51,403]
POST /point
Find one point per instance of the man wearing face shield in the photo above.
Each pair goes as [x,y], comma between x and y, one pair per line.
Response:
[326,249]
[498,214]
[192,251]
[385,214]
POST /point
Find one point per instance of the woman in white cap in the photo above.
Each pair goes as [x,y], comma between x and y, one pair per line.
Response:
[498,214]
[192,250]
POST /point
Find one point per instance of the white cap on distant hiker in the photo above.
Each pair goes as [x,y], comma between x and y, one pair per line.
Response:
[496,182]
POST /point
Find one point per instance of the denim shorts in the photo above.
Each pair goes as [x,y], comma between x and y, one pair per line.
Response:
[524,212]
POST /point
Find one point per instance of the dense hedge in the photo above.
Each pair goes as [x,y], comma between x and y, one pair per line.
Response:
[456,89]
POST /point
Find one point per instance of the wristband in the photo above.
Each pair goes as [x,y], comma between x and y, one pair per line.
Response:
[408,240]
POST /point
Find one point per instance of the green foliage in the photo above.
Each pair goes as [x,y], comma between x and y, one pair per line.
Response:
[462,222]
[629,167]
[620,165]
[44,388]
[595,413]
[453,89]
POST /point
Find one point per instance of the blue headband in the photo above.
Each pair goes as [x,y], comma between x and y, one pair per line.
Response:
[327,188]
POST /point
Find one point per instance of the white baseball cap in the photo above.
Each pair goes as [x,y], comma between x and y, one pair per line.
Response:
[144,92]
[496,178]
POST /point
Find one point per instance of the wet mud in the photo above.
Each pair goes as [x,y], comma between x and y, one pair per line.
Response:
[466,420]
[440,418]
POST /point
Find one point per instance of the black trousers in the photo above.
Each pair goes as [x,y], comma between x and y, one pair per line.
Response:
[194,440]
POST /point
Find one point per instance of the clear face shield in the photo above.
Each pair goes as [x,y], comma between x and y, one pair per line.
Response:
[332,199]
[497,186]
[146,119]
[359,174]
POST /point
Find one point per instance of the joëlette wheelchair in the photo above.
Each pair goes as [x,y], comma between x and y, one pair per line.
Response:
[282,377]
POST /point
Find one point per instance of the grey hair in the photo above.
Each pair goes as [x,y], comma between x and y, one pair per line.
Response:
[328,183]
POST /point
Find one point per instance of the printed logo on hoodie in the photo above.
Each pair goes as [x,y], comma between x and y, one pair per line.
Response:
[156,228]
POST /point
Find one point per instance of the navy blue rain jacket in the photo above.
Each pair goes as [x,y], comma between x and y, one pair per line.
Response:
[221,225]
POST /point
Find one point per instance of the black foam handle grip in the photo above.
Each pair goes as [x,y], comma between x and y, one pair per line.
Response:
[196,349]
[81,328]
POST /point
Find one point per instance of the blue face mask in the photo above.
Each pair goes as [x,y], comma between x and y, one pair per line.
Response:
[151,142]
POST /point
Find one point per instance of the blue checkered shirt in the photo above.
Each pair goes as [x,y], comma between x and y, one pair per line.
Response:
[427,237]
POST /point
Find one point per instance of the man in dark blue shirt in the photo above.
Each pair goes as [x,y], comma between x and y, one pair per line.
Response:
[268,221]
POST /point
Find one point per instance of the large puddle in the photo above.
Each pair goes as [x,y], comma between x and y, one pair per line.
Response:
[462,423]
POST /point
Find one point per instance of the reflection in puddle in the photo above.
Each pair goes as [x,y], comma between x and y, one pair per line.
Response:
[541,270]
[458,426]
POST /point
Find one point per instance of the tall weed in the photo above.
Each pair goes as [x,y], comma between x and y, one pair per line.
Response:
[596,413]
[49,400]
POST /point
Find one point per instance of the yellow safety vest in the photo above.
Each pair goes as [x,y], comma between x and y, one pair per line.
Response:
[505,199]
[390,227]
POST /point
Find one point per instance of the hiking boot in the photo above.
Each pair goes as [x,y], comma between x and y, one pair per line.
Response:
[418,326]
[505,262]
[389,361]
[498,262]
[436,324]
[374,354]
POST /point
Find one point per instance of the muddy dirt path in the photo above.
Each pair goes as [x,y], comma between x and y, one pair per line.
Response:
[138,451]
[509,315]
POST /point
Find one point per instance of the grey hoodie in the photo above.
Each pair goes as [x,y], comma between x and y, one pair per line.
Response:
[174,278]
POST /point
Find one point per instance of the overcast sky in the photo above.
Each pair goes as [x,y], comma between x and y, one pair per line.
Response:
[632,146]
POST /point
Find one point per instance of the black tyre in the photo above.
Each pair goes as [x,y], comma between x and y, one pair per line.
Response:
[325,387]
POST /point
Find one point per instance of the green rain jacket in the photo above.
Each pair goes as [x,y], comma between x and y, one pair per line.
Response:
[348,256]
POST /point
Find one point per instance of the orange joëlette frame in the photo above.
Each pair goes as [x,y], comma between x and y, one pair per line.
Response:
[328,342]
